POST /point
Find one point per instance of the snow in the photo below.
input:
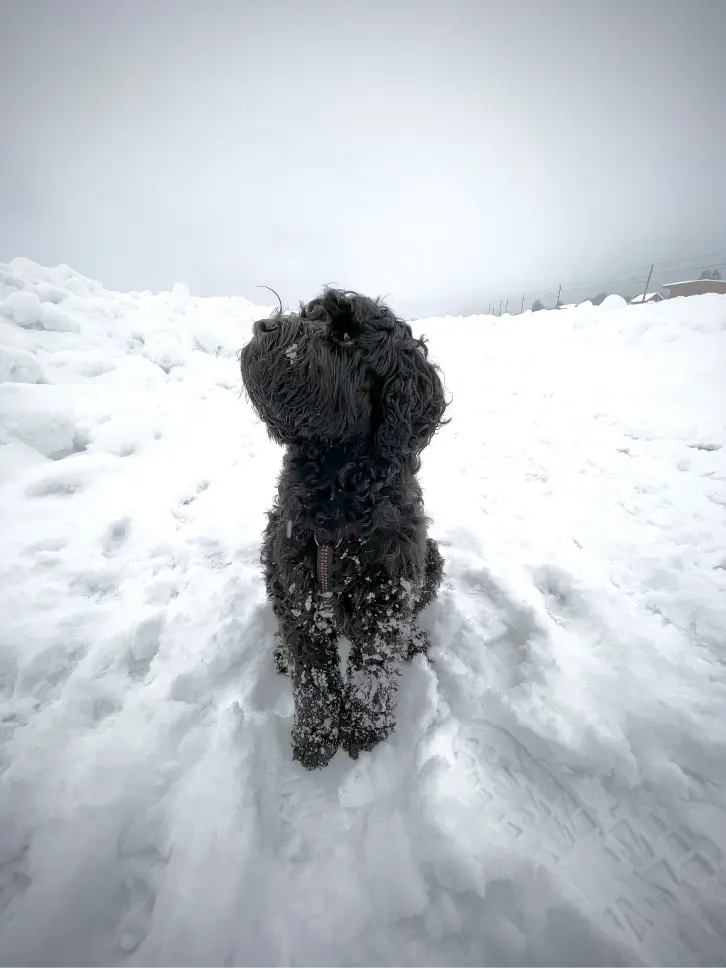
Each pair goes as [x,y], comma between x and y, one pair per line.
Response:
[646,298]
[610,303]
[555,791]
[688,282]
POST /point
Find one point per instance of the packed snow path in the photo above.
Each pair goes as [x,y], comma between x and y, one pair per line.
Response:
[555,792]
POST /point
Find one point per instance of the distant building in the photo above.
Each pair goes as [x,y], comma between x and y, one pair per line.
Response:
[648,297]
[694,287]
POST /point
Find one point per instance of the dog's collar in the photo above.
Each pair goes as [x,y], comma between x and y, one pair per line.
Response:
[324,567]
[323,563]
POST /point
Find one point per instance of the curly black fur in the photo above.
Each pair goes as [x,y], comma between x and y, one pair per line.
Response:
[351,394]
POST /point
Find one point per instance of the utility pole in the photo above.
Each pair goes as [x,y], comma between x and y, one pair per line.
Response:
[506,307]
[645,291]
[489,311]
[559,293]
[500,307]
[521,308]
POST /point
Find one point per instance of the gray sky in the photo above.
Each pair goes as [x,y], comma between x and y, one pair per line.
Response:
[443,153]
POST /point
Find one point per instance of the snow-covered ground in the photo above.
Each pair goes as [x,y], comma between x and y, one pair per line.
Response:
[555,792]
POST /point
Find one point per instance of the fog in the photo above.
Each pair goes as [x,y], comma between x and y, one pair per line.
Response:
[442,153]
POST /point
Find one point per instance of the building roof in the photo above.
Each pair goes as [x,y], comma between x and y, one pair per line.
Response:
[646,297]
[690,282]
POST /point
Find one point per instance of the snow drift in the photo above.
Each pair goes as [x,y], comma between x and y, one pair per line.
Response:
[556,789]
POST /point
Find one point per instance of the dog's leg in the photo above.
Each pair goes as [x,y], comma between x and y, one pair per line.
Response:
[282,661]
[274,586]
[316,686]
[420,640]
[433,574]
[381,636]
[306,650]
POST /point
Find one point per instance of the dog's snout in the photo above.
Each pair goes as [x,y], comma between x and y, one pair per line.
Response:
[263,326]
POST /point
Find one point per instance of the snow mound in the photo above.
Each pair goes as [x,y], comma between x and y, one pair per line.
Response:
[555,792]
[611,303]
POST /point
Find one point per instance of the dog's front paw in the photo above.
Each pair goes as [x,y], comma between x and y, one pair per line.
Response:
[282,663]
[359,737]
[316,730]
[368,715]
[419,643]
[312,750]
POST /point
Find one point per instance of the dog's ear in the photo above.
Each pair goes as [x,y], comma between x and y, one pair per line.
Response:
[409,403]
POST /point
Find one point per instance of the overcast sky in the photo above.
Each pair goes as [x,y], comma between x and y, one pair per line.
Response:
[444,152]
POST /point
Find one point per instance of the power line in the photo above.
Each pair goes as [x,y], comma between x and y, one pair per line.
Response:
[686,258]
[583,287]
[653,269]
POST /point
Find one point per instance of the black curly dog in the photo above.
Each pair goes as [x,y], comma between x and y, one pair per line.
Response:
[351,394]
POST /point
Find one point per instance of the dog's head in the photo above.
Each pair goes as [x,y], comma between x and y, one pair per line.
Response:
[344,368]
